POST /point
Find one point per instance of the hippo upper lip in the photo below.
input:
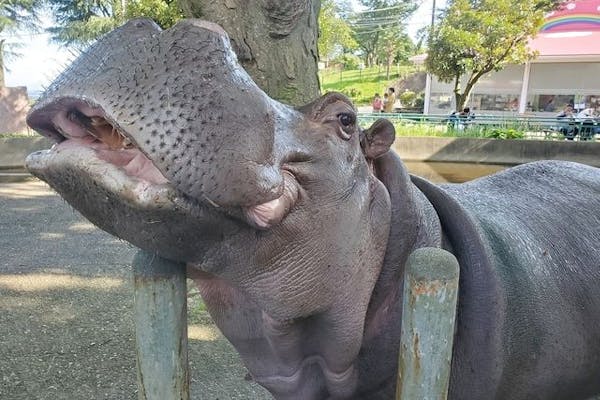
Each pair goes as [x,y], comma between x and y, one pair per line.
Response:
[69,117]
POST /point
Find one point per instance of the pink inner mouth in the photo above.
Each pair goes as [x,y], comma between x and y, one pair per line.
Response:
[131,160]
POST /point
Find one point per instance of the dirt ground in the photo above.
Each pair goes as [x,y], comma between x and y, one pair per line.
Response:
[66,303]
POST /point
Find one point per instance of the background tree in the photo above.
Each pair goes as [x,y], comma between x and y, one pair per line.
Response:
[476,37]
[335,35]
[15,15]
[164,12]
[81,22]
[394,46]
[276,42]
[381,18]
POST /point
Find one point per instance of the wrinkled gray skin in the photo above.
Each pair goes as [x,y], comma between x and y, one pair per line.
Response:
[296,224]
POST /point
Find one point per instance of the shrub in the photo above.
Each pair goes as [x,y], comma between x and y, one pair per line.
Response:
[504,133]
[352,92]
[408,98]
[348,60]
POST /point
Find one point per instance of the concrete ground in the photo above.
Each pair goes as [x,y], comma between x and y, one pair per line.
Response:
[66,302]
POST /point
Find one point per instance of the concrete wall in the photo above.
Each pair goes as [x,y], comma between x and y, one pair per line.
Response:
[14,105]
[14,150]
[488,151]
[493,151]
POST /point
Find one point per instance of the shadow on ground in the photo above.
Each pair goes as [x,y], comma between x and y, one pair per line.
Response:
[66,303]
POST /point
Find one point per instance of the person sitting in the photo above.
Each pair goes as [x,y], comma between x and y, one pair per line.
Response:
[459,119]
[567,122]
[465,117]
[589,119]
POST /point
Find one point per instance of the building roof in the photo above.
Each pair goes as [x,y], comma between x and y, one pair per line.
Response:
[571,33]
[567,46]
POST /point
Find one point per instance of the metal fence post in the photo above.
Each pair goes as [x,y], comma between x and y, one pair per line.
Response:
[160,328]
[428,314]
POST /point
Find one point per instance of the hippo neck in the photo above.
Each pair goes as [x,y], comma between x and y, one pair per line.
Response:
[414,224]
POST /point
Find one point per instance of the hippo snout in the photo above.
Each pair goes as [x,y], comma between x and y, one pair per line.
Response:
[180,110]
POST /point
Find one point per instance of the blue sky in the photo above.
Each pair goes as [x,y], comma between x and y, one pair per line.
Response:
[42,61]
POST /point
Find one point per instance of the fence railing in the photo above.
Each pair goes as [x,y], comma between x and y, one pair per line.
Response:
[531,126]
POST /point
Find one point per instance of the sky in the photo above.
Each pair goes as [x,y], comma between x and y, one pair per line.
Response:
[41,61]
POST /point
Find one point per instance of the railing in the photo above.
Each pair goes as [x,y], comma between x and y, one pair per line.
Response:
[428,316]
[531,126]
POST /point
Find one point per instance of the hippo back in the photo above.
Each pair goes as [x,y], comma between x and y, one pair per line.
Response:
[539,226]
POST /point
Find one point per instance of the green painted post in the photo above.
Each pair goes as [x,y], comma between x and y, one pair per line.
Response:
[428,314]
[160,328]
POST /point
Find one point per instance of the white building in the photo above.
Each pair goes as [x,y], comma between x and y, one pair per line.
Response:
[567,70]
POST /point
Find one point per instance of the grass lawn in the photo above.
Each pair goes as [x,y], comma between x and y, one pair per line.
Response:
[359,85]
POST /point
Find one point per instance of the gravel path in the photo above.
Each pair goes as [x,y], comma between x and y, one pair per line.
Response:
[66,303]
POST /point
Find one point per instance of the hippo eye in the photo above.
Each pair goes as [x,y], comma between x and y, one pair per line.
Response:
[346,119]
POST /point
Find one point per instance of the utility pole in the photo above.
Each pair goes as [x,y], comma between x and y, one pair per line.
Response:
[427,98]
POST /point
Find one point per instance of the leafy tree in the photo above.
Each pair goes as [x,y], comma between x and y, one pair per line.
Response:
[165,13]
[81,22]
[476,37]
[381,19]
[334,32]
[15,15]
[394,46]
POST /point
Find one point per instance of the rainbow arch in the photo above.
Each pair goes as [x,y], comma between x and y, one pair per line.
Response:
[572,22]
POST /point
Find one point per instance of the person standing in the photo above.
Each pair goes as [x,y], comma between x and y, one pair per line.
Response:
[391,100]
[377,104]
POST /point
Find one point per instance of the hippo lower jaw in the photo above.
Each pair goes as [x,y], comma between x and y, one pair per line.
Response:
[130,175]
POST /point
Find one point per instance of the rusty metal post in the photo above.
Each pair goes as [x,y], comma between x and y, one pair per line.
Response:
[160,328]
[428,314]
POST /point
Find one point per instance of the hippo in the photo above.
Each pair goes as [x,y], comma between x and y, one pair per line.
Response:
[296,223]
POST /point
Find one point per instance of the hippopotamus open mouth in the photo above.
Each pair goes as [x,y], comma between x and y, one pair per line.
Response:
[166,147]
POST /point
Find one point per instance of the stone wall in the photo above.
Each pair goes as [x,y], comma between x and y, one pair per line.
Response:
[14,105]
[494,151]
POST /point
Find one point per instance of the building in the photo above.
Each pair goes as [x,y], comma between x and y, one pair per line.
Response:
[567,70]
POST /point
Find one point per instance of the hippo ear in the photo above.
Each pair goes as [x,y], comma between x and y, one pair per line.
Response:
[377,139]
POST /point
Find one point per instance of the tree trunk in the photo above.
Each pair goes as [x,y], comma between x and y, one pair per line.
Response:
[458,99]
[276,42]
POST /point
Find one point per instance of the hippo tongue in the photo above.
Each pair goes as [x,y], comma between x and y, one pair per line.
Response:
[272,212]
[135,164]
